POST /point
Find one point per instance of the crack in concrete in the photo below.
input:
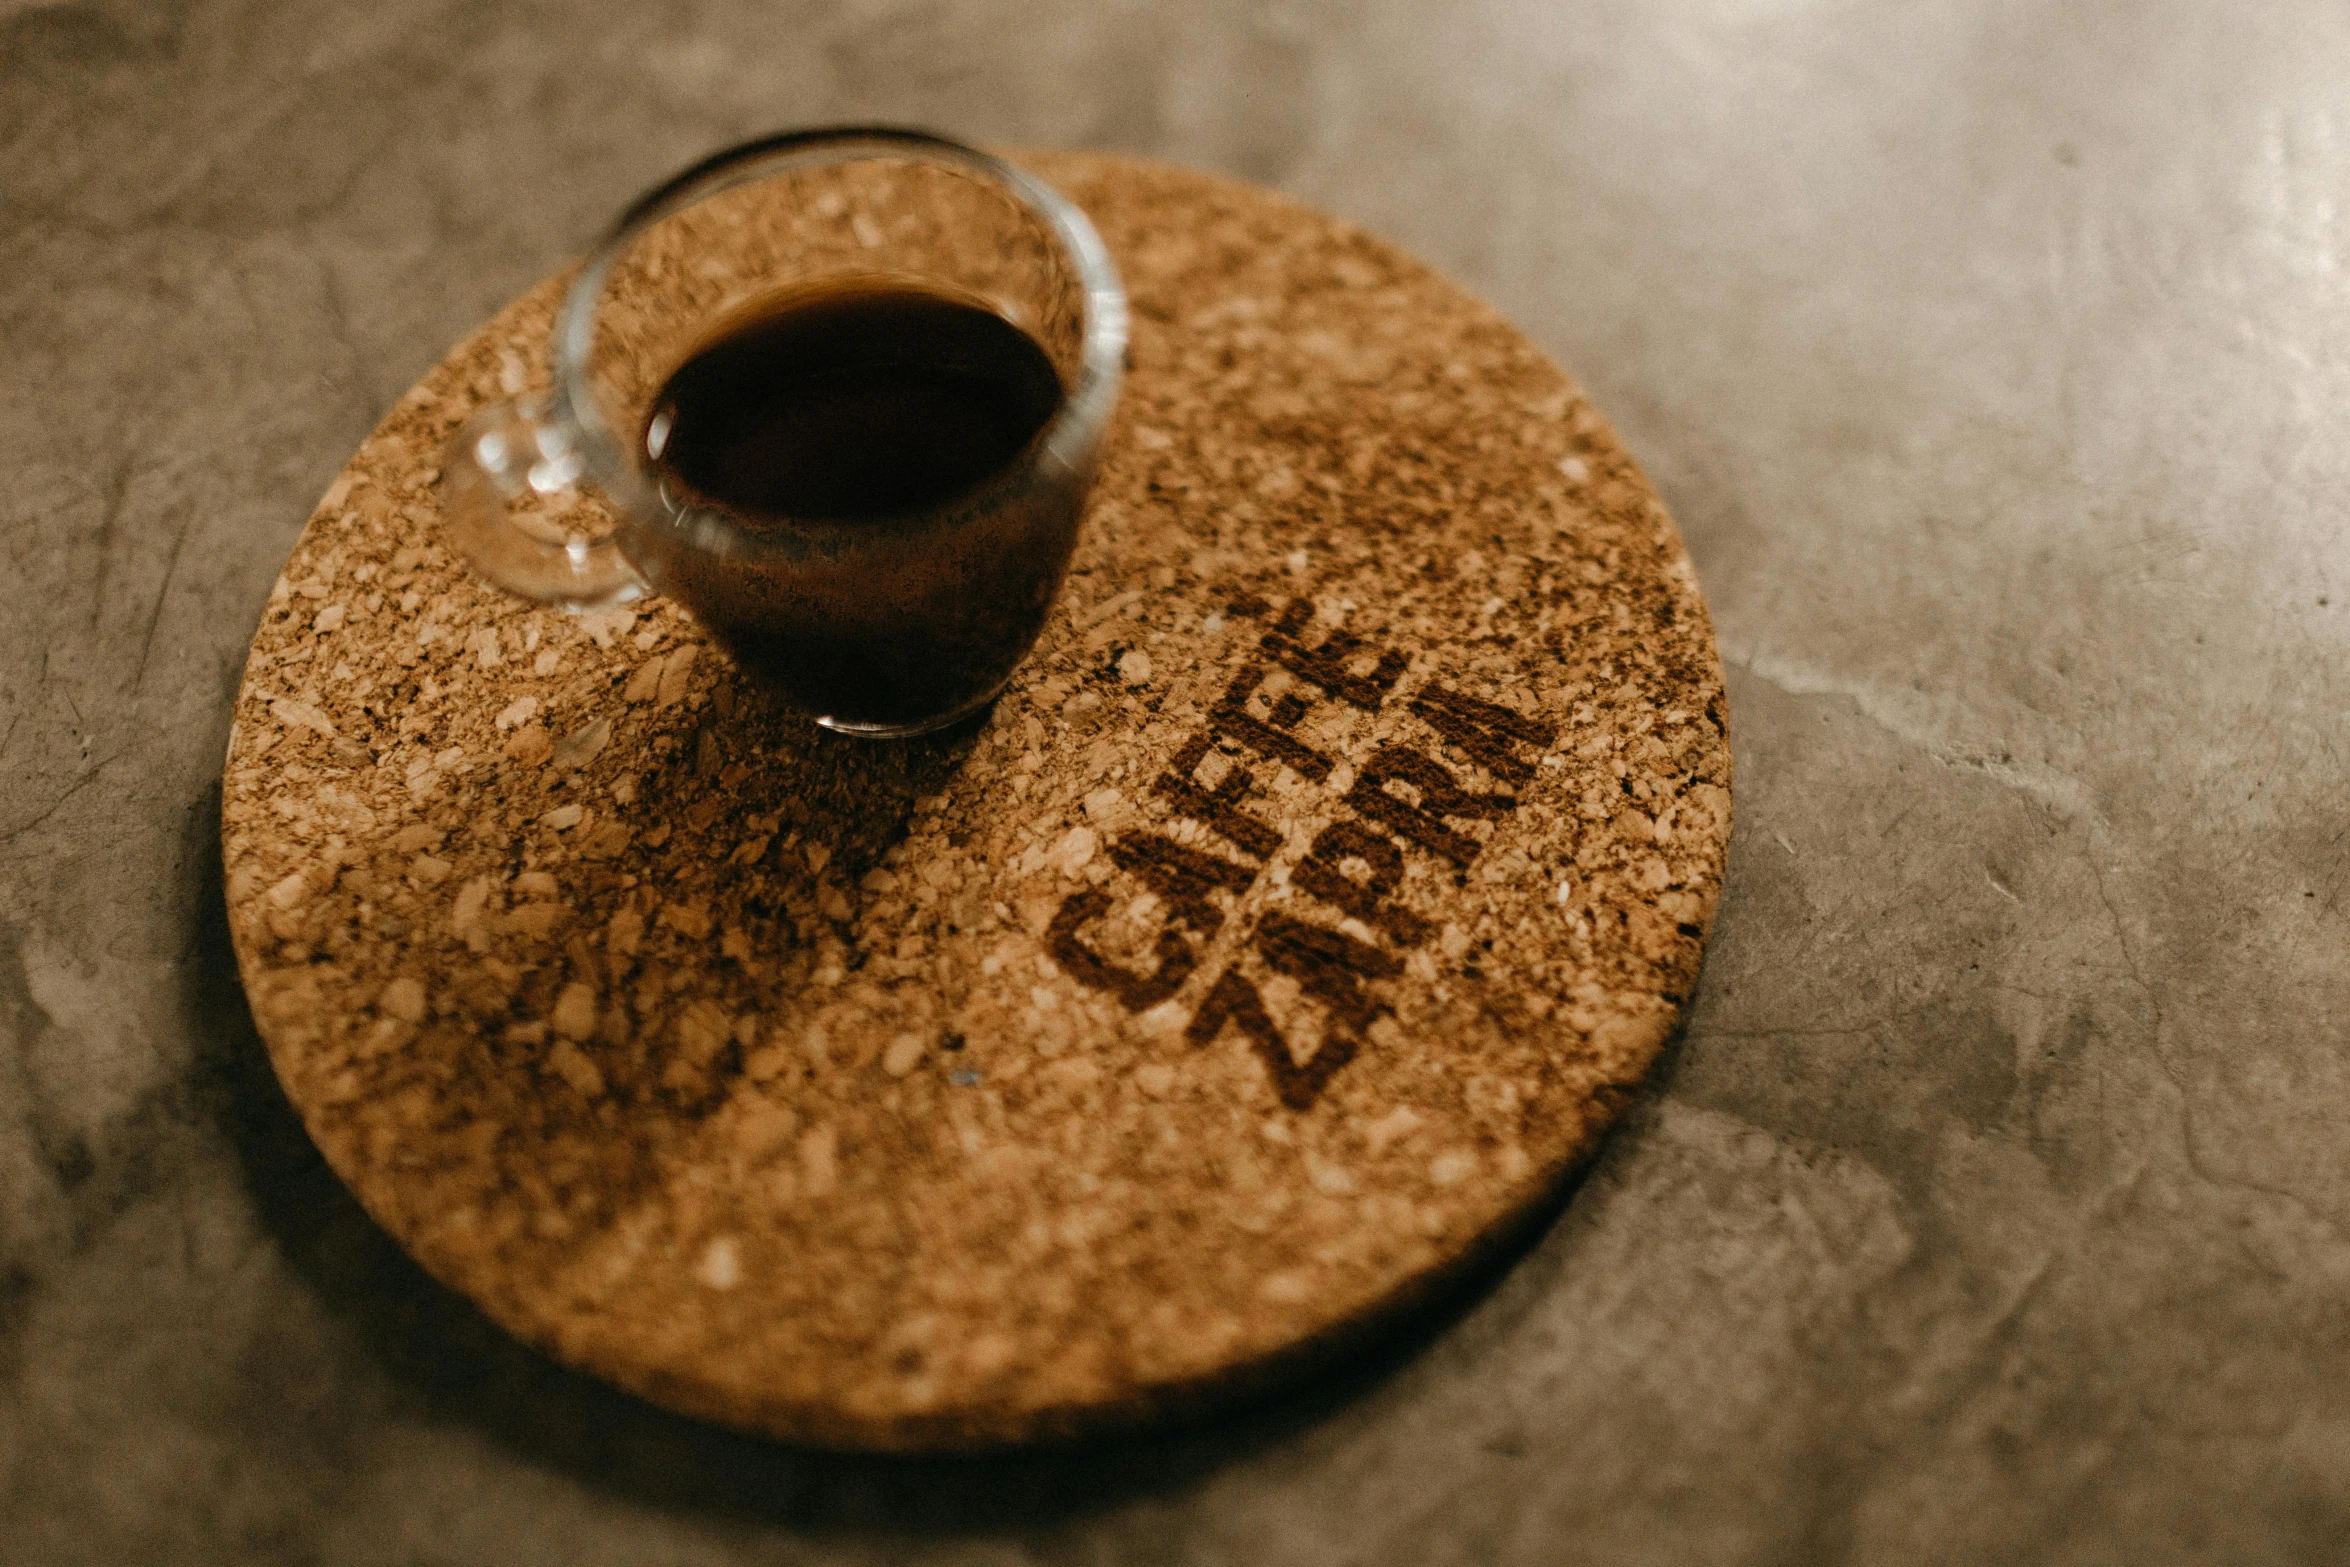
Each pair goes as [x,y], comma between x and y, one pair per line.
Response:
[2060,791]
[118,490]
[171,568]
[10,835]
[2197,1162]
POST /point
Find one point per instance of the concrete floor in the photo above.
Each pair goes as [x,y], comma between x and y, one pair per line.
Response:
[1995,358]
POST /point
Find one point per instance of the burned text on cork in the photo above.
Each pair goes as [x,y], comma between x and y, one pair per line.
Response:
[1404,800]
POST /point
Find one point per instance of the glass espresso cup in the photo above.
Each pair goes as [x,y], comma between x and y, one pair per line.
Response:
[841,394]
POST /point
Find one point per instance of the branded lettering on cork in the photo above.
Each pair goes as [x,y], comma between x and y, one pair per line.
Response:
[1405,801]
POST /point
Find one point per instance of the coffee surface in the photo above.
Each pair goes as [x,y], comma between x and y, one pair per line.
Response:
[850,401]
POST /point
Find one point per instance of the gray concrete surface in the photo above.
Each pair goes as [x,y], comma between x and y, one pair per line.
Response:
[1995,357]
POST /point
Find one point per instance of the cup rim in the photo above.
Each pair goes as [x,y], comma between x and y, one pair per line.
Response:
[1068,438]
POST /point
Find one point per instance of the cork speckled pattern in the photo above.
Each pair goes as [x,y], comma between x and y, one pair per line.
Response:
[1294,925]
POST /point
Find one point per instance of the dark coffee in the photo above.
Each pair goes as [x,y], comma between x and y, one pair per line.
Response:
[874,439]
[861,400]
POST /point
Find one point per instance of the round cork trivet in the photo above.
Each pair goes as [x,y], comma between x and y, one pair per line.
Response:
[1293,925]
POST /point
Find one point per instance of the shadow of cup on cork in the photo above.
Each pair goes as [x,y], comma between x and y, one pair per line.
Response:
[449,1365]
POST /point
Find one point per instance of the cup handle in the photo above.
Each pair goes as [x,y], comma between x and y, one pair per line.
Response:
[513,503]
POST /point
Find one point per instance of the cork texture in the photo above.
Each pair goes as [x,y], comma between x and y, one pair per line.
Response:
[1293,925]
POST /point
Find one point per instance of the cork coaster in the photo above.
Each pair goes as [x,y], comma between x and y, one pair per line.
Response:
[1296,922]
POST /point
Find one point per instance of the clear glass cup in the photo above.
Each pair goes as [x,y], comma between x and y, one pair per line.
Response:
[889,626]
